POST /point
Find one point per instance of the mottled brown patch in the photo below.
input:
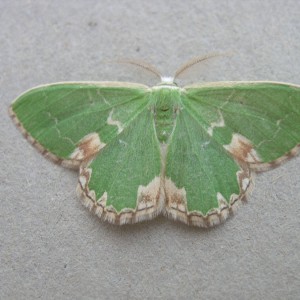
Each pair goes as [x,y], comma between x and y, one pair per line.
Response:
[175,197]
[242,149]
[87,147]
[148,196]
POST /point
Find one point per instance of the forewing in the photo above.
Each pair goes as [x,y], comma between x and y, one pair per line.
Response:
[122,184]
[71,122]
[257,122]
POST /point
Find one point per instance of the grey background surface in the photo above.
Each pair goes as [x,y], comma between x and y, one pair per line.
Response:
[51,247]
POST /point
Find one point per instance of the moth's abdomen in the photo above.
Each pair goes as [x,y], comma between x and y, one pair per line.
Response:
[165,112]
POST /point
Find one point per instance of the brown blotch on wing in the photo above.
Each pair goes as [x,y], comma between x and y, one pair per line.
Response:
[242,149]
[87,147]
[148,196]
[175,197]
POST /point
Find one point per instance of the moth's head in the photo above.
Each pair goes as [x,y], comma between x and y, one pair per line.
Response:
[167,80]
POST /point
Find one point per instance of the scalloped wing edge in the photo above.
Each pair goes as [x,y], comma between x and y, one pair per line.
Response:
[147,208]
[262,167]
[214,217]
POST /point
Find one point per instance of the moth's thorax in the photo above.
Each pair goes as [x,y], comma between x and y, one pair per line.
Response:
[165,109]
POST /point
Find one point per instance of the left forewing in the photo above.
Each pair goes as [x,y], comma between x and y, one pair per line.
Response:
[70,122]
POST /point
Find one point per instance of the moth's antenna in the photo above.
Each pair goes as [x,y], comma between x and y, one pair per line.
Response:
[141,64]
[197,60]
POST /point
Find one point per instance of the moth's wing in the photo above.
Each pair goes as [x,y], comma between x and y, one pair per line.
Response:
[70,122]
[202,180]
[123,184]
[223,131]
[257,122]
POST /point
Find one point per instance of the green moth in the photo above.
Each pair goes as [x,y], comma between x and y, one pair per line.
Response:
[185,152]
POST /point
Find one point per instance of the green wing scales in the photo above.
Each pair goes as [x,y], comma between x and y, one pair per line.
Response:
[71,122]
[223,132]
[185,152]
[262,118]
[123,184]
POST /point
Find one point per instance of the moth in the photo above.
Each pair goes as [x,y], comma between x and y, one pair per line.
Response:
[186,152]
